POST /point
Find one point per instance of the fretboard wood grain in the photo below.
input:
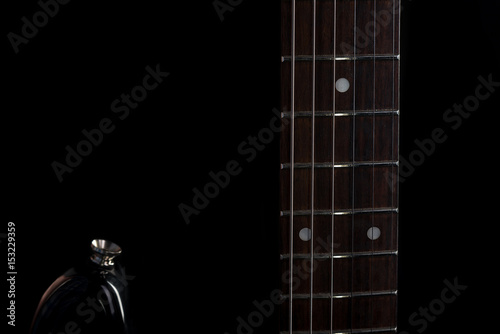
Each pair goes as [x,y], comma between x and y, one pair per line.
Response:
[339,166]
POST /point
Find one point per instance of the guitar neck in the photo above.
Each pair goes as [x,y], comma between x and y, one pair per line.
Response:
[339,165]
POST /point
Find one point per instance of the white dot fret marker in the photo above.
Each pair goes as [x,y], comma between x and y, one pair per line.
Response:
[305,234]
[342,85]
[373,233]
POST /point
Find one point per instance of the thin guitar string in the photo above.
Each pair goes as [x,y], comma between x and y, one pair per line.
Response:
[393,87]
[353,158]
[393,122]
[292,169]
[373,159]
[333,162]
[312,165]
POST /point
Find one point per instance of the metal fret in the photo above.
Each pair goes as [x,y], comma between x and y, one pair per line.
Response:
[287,114]
[342,164]
[322,256]
[350,331]
[286,213]
[340,58]
[341,295]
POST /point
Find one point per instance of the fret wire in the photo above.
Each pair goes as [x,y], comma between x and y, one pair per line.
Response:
[350,331]
[323,256]
[287,114]
[286,213]
[341,58]
[340,295]
[342,164]
[292,160]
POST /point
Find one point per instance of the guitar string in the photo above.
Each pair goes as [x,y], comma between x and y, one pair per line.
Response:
[395,178]
[373,157]
[333,162]
[353,159]
[292,169]
[312,165]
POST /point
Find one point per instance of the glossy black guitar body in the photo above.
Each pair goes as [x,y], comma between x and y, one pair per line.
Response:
[92,297]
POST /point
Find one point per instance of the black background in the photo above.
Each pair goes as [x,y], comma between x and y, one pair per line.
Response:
[223,84]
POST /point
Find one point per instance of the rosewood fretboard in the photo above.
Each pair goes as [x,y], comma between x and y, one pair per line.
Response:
[339,165]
